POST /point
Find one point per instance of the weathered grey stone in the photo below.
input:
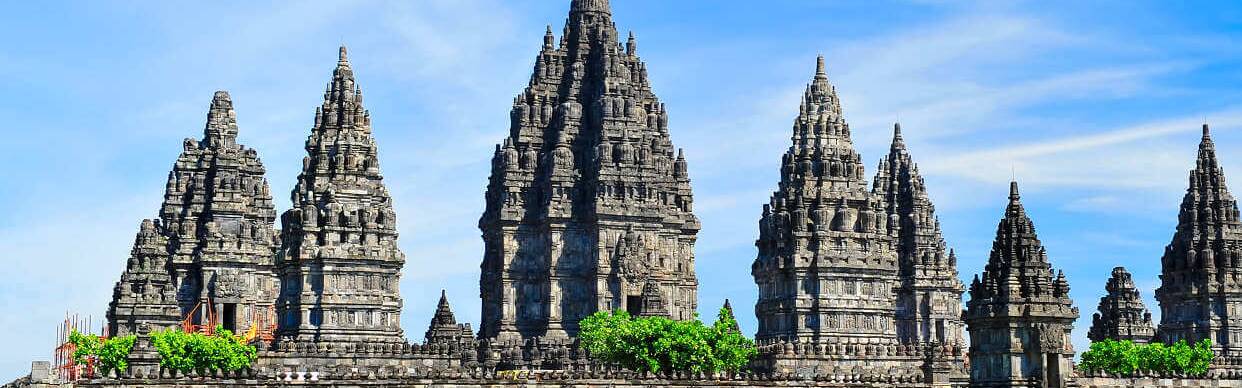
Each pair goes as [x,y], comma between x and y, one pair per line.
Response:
[339,261]
[1020,314]
[827,267]
[444,328]
[1122,315]
[929,299]
[214,239]
[589,205]
[1200,293]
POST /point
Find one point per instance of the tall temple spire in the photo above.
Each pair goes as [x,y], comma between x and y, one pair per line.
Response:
[1122,315]
[1022,307]
[1200,265]
[339,258]
[588,204]
[216,232]
[929,297]
[823,226]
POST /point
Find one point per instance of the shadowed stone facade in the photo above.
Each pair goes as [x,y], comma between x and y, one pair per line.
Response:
[588,205]
[929,298]
[1201,272]
[1122,315]
[1020,314]
[216,221]
[339,261]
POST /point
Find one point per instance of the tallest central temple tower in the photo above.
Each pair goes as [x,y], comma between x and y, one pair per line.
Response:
[588,205]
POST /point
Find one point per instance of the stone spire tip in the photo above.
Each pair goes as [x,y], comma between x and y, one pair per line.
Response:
[1014,196]
[590,6]
[342,57]
[820,69]
[1206,131]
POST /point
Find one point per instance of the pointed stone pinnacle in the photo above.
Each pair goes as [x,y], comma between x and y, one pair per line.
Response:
[342,57]
[1207,133]
[899,143]
[820,69]
[1014,196]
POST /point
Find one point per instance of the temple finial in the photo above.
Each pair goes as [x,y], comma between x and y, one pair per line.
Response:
[1014,196]
[342,57]
[1206,131]
[820,69]
[590,6]
[221,128]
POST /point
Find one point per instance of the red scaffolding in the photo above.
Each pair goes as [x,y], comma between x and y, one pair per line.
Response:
[65,367]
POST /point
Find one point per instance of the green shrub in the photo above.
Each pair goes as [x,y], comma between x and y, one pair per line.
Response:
[184,352]
[660,344]
[110,354]
[1126,358]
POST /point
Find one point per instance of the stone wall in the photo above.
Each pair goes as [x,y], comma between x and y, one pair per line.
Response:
[1115,382]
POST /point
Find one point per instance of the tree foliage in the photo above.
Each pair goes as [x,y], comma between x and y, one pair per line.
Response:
[660,344]
[1127,358]
[184,352]
[108,354]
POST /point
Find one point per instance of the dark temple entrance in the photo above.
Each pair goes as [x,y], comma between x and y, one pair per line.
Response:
[228,317]
[634,305]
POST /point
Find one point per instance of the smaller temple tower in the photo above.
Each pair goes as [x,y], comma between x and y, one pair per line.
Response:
[1122,315]
[444,328]
[1020,314]
[145,294]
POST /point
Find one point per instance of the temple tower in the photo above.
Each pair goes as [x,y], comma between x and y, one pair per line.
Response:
[929,298]
[145,294]
[827,267]
[1122,315]
[444,328]
[1200,295]
[216,224]
[1020,314]
[339,261]
[589,205]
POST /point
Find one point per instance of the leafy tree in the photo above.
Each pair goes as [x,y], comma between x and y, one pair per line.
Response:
[189,351]
[110,354]
[660,344]
[1126,358]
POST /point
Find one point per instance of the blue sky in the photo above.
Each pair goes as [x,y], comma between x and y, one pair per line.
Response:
[1095,105]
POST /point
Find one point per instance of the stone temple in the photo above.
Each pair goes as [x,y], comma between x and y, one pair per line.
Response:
[212,248]
[588,205]
[835,263]
[589,208]
[1020,314]
[339,261]
[1122,315]
[1201,272]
